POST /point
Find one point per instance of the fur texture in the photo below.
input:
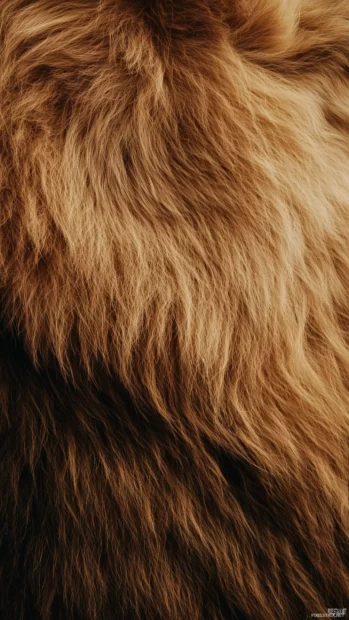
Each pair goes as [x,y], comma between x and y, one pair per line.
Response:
[174,292]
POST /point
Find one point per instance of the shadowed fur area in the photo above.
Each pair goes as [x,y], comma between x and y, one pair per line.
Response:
[174,309]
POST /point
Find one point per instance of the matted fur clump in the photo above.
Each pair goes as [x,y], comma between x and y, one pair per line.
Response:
[174,251]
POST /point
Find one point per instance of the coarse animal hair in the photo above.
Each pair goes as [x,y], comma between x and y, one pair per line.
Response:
[174,301]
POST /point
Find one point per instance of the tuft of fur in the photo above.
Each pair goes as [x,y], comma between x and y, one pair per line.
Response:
[174,296]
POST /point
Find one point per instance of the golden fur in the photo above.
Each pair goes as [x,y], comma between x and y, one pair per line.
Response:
[174,250]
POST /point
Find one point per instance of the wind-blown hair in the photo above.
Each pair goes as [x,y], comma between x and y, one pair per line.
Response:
[174,269]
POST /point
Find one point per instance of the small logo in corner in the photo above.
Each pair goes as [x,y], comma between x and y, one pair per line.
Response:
[331,613]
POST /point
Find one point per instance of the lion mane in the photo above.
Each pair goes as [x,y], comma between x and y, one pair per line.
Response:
[174,303]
